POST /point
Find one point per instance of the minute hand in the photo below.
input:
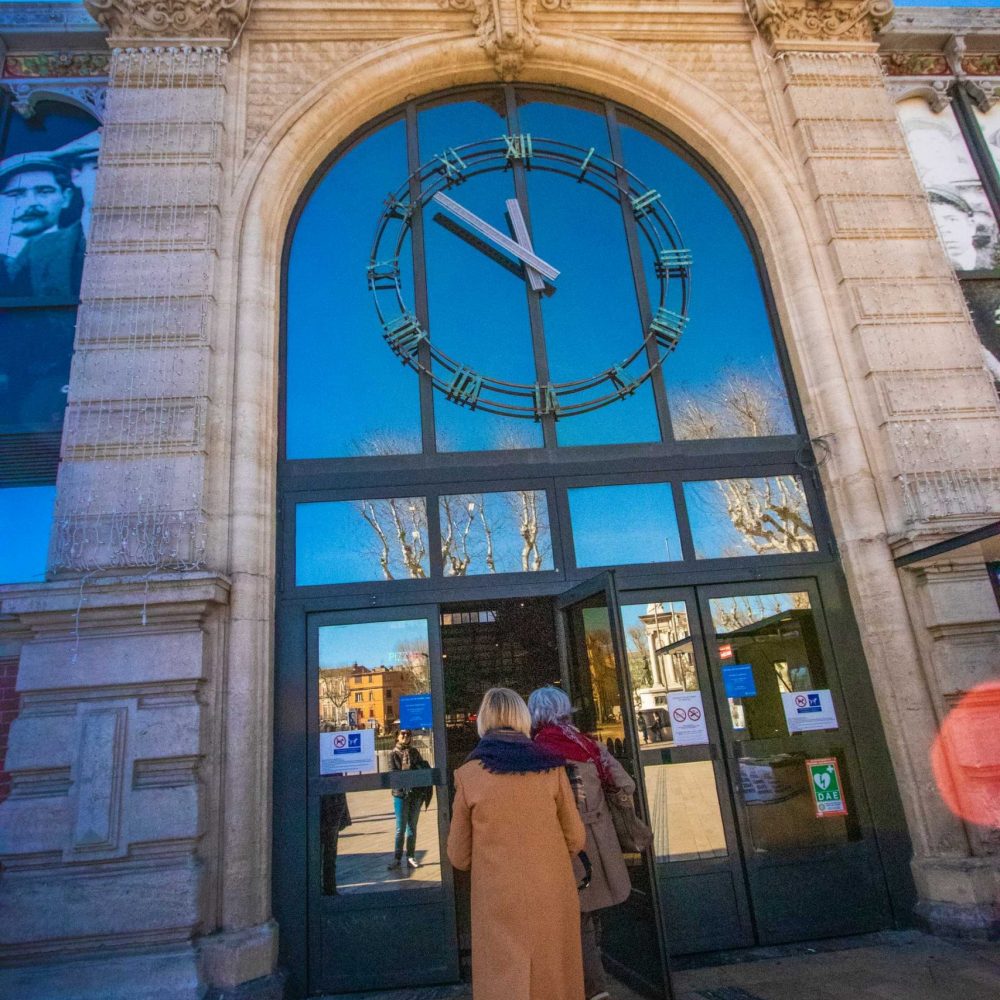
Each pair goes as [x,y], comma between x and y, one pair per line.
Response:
[505,242]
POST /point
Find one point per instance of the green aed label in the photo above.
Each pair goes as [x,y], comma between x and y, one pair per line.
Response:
[827,790]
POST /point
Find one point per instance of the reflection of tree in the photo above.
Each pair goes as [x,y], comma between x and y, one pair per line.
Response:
[334,688]
[400,527]
[733,613]
[639,666]
[532,528]
[770,514]
[410,657]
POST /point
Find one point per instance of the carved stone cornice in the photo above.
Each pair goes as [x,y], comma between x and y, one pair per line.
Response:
[820,24]
[506,29]
[209,21]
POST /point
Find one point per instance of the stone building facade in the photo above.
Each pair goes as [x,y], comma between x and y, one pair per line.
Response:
[135,838]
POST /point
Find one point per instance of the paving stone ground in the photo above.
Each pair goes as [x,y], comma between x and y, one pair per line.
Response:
[894,965]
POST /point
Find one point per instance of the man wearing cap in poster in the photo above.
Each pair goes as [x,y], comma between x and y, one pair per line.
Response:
[80,156]
[40,188]
[35,191]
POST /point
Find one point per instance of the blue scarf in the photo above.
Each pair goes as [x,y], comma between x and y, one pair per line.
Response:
[506,751]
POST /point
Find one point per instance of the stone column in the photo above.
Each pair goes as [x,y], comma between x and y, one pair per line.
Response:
[927,415]
[112,836]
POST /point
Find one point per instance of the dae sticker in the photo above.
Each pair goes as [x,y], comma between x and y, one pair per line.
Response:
[827,790]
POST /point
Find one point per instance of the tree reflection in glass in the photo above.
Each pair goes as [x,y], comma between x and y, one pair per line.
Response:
[749,517]
[351,541]
[495,533]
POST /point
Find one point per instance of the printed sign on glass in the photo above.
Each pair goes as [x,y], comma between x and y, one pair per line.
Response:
[826,787]
[351,752]
[415,711]
[808,710]
[687,717]
[738,681]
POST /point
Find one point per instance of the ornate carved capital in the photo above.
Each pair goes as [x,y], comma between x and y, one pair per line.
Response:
[142,20]
[804,24]
[506,29]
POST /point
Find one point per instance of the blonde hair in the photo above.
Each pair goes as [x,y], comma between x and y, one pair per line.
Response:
[502,708]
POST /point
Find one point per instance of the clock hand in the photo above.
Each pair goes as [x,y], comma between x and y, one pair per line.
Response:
[521,232]
[524,254]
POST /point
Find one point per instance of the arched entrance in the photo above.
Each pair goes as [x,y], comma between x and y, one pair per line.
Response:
[537,426]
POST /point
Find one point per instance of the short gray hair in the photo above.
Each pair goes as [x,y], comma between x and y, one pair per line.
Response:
[503,708]
[548,704]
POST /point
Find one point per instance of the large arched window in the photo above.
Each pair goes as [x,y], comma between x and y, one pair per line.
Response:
[524,284]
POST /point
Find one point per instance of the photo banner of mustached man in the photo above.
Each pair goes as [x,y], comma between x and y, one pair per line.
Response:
[46,197]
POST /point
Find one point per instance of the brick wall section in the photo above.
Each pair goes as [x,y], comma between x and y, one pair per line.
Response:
[8,710]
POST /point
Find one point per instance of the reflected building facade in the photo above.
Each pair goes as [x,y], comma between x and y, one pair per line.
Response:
[343,349]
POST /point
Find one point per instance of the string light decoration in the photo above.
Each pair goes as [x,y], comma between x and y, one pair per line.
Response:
[132,481]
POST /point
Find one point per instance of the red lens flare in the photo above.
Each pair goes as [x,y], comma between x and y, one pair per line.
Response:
[965,757]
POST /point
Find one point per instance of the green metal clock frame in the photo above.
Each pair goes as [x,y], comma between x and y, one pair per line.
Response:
[461,384]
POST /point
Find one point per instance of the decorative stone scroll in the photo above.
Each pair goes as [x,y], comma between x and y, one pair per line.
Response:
[819,23]
[169,19]
[506,29]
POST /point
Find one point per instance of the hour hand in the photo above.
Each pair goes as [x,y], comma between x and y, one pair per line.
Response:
[534,264]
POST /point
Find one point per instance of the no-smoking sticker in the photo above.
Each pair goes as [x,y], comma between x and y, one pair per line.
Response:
[679,715]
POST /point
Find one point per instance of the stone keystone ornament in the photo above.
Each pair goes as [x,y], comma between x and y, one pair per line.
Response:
[665,271]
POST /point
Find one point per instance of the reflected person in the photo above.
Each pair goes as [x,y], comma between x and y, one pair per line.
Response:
[334,816]
[406,801]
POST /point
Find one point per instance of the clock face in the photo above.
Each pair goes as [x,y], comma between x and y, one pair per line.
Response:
[433,194]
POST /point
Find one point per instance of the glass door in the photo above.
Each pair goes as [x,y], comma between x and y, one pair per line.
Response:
[597,680]
[811,858]
[699,871]
[380,901]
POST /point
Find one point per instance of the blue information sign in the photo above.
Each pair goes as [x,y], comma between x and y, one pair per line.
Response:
[738,680]
[415,711]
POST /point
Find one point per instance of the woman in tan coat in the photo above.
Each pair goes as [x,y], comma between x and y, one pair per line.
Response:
[593,771]
[515,825]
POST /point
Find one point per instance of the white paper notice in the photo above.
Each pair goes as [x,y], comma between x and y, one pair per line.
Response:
[351,752]
[687,717]
[805,710]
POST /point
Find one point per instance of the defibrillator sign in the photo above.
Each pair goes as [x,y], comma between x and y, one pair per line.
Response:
[827,791]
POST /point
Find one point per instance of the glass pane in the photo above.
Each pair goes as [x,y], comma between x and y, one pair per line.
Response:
[958,202]
[375,677]
[749,517]
[614,525]
[771,664]
[350,541]
[369,675]
[495,533]
[478,309]
[26,516]
[780,806]
[358,835]
[336,353]
[683,798]
[723,379]
[592,318]
[595,687]
[989,123]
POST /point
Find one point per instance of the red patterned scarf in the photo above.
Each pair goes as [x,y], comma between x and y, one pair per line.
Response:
[568,742]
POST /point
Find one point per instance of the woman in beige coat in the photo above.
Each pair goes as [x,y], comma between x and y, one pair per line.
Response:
[592,772]
[515,825]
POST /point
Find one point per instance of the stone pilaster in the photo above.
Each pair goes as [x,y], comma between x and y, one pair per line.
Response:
[132,480]
[927,412]
[104,878]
